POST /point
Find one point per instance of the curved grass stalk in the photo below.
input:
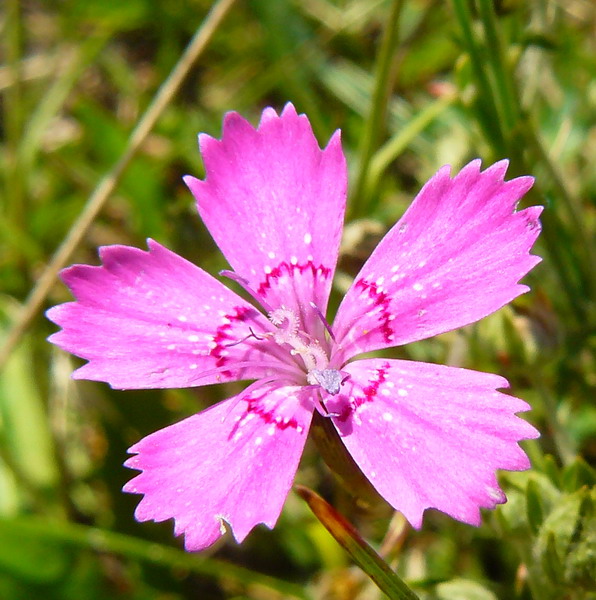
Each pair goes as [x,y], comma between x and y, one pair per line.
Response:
[109,182]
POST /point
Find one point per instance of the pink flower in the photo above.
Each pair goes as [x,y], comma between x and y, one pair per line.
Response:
[427,436]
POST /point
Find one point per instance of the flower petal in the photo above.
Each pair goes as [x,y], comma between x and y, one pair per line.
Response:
[455,256]
[274,202]
[431,436]
[234,463]
[154,320]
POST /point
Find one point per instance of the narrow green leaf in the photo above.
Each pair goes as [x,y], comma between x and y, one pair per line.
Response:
[384,80]
[25,438]
[41,531]
[364,556]
[551,470]
[534,506]
[576,474]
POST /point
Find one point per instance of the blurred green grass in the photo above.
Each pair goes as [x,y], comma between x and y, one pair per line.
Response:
[462,80]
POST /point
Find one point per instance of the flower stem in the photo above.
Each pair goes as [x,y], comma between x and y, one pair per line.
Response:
[384,80]
[486,108]
[365,557]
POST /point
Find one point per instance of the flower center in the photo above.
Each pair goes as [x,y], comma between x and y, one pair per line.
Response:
[315,359]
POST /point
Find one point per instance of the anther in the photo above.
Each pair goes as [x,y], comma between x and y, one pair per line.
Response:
[330,380]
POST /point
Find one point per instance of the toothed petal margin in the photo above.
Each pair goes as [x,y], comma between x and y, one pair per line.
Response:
[154,320]
[274,189]
[230,465]
[455,256]
[431,436]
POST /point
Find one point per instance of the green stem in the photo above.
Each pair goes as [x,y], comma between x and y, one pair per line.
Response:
[378,107]
[504,88]
[398,143]
[365,557]
[489,121]
[578,223]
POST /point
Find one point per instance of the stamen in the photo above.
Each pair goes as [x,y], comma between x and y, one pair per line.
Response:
[251,334]
[323,320]
[243,283]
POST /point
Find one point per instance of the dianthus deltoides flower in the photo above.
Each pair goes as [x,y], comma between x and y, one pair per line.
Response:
[425,435]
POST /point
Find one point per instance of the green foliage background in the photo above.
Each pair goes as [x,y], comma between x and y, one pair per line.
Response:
[413,85]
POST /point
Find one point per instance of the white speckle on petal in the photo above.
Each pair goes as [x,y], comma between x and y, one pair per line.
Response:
[172,347]
[380,280]
[182,318]
[387,416]
[402,392]
[422,263]
[258,441]
[307,238]
[418,286]
[294,260]
[193,366]
[271,255]
[385,392]
[193,338]
[267,269]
